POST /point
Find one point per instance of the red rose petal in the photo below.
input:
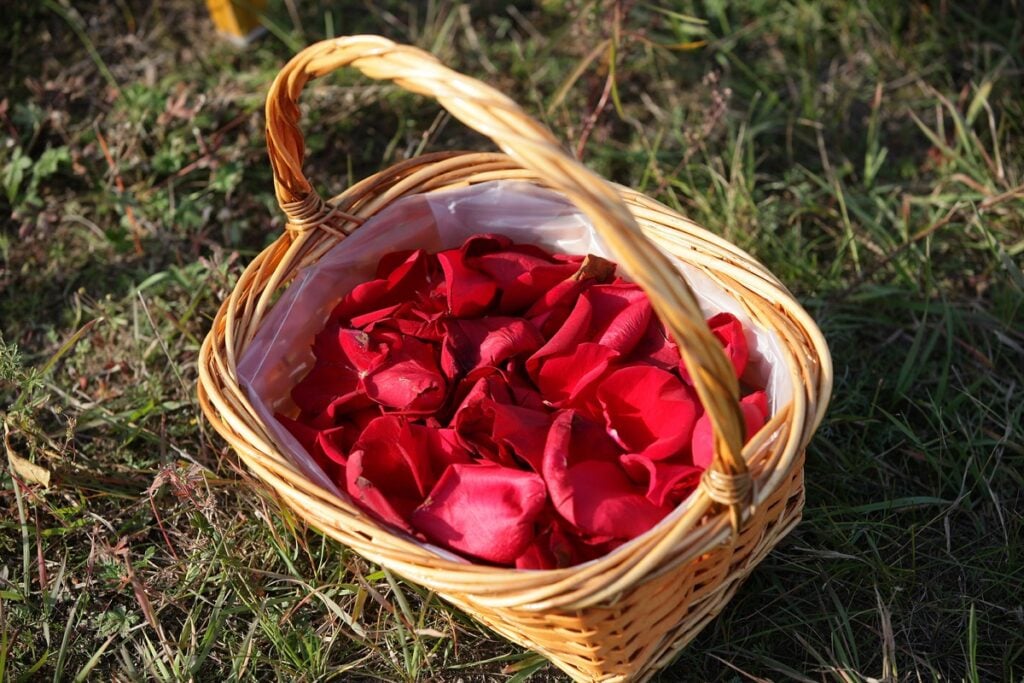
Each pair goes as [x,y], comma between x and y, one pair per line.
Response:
[590,490]
[599,499]
[755,415]
[469,291]
[522,431]
[523,273]
[411,280]
[409,380]
[389,470]
[571,379]
[389,262]
[470,344]
[483,510]
[731,335]
[474,418]
[550,311]
[656,347]
[648,410]
[621,313]
[556,545]
[572,332]
[325,446]
[343,356]
[478,245]
[668,483]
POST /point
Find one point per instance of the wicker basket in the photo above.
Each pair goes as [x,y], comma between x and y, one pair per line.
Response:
[627,614]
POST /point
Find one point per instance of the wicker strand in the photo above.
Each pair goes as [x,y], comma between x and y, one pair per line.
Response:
[728,489]
[312,212]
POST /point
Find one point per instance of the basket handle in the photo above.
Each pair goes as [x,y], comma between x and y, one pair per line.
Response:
[532,145]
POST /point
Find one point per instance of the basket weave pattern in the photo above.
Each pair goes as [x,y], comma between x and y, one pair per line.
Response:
[622,616]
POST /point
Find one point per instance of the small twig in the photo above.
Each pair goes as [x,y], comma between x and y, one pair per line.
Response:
[44,579]
[160,523]
[989,202]
[591,122]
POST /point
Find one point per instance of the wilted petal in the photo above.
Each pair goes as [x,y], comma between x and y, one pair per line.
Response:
[483,510]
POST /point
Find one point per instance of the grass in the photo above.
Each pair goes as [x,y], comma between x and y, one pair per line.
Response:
[870,153]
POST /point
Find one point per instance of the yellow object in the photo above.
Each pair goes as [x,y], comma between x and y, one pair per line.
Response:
[237,19]
[627,614]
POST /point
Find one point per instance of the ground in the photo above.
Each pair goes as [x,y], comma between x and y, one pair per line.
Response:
[869,153]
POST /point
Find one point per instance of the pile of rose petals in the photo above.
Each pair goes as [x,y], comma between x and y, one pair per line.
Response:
[518,407]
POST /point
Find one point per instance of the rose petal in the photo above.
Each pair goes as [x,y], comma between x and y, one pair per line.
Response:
[389,470]
[522,432]
[473,420]
[443,447]
[648,410]
[621,315]
[729,332]
[327,447]
[556,545]
[600,499]
[571,379]
[613,315]
[469,291]
[552,309]
[755,415]
[523,272]
[408,380]
[588,488]
[522,277]
[470,344]
[411,280]
[483,510]
[668,483]
[334,384]
[656,347]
